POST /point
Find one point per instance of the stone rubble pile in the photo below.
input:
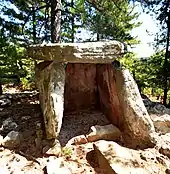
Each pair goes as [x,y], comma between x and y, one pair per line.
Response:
[159,114]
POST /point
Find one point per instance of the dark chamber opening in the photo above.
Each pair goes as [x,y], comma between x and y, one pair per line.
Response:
[81,102]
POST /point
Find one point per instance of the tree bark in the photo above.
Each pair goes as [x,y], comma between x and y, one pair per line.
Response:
[34,25]
[166,63]
[55,20]
[1,88]
[72,23]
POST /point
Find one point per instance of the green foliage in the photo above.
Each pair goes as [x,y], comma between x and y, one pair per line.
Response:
[10,58]
[148,72]
[29,22]
[14,65]
[128,61]
[67,152]
[112,20]
[28,82]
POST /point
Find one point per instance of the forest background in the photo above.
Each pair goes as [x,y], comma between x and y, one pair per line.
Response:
[23,23]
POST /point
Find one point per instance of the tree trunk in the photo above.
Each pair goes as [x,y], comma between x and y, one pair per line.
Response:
[166,62]
[34,25]
[0,88]
[72,23]
[55,20]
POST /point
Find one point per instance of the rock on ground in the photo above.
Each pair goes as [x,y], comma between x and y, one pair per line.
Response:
[56,166]
[155,107]
[161,123]
[12,139]
[98,132]
[52,148]
[159,114]
[8,125]
[106,132]
[115,159]
[1,140]
[5,100]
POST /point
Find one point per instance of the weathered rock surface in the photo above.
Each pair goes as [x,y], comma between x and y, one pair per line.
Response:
[80,87]
[12,139]
[159,109]
[107,132]
[80,139]
[165,150]
[8,125]
[115,159]
[51,81]
[159,114]
[161,123]
[97,132]
[148,103]
[89,52]
[5,100]
[56,166]
[1,140]
[155,107]
[52,147]
[163,144]
[25,118]
[137,123]
[122,103]
[108,94]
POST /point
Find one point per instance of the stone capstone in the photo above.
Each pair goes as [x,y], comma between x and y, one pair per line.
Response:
[51,83]
[89,52]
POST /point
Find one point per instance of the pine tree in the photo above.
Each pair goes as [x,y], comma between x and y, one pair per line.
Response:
[112,20]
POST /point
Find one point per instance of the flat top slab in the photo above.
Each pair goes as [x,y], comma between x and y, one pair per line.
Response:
[88,52]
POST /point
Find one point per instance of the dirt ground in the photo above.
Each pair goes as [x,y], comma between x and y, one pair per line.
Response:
[27,158]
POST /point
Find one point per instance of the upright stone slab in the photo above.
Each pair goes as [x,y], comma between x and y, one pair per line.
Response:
[108,93]
[80,87]
[137,124]
[122,104]
[50,81]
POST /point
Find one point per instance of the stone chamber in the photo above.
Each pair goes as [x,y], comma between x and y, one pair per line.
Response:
[88,99]
[80,87]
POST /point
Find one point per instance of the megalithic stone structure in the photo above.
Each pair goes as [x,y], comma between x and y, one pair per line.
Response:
[117,92]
